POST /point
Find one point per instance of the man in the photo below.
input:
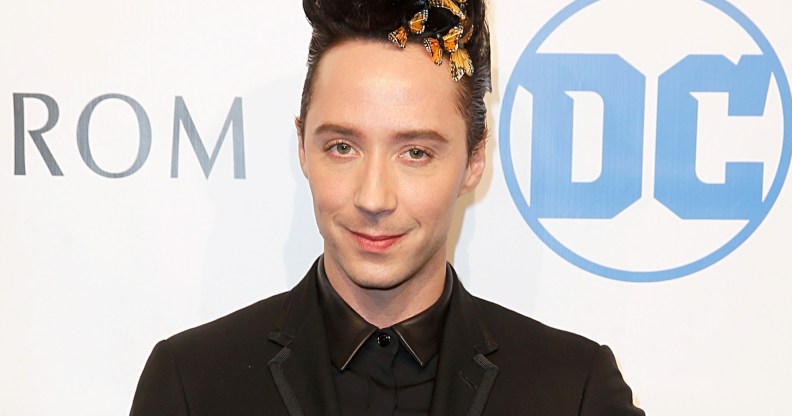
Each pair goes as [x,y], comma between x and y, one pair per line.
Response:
[390,137]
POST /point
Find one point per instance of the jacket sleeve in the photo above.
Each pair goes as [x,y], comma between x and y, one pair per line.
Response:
[160,391]
[606,393]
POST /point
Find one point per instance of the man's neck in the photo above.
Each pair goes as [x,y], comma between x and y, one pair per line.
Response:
[385,307]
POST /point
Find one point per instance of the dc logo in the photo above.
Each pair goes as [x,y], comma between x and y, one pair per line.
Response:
[645,140]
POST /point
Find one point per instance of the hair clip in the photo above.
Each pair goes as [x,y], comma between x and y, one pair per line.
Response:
[399,37]
[451,39]
[449,5]
[437,44]
[433,46]
[418,22]
[460,64]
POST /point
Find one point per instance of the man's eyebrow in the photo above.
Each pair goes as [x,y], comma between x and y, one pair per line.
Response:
[336,129]
[422,134]
[341,130]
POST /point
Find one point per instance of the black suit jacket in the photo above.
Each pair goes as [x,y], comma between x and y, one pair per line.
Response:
[271,358]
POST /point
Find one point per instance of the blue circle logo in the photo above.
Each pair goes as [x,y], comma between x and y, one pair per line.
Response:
[639,147]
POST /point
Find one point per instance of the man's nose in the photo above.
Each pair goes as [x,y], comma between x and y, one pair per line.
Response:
[376,187]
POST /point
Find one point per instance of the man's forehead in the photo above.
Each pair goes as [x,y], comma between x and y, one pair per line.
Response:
[372,64]
[366,82]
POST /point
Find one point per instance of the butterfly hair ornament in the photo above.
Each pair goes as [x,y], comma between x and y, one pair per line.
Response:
[443,29]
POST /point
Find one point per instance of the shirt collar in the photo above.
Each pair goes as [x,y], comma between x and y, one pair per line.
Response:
[347,331]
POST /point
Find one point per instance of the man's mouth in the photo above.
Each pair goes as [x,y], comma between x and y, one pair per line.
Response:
[375,243]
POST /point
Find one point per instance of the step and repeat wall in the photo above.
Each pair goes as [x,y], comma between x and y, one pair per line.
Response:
[635,189]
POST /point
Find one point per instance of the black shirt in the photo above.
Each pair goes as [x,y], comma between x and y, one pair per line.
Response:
[388,371]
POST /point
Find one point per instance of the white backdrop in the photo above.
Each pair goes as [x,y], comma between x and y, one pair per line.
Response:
[94,270]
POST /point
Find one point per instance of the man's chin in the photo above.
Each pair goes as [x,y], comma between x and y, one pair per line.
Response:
[378,284]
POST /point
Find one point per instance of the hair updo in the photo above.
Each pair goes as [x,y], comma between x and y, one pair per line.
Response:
[336,21]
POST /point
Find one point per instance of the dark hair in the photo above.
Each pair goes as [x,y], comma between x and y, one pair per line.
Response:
[337,21]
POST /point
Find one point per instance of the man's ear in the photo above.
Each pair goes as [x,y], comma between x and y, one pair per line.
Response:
[475,169]
[300,143]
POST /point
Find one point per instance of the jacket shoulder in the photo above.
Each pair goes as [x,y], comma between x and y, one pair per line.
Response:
[542,359]
[512,328]
[237,330]
[217,368]
[555,372]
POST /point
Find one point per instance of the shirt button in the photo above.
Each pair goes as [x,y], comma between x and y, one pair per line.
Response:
[383,340]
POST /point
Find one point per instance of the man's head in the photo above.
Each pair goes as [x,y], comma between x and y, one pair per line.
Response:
[337,21]
[387,152]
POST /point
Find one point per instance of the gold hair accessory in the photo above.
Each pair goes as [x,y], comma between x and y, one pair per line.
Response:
[450,5]
[418,22]
[453,41]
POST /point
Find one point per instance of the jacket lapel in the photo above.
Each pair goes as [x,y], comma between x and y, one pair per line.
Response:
[301,370]
[464,376]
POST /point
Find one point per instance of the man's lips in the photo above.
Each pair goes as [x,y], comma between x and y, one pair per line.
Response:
[375,243]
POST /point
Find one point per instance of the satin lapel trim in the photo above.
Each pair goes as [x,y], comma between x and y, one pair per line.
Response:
[465,376]
[283,385]
[485,386]
[464,383]
[302,370]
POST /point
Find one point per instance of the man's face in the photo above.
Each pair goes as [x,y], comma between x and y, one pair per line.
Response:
[385,156]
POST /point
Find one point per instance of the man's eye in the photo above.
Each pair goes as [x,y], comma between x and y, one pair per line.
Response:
[341,148]
[415,154]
